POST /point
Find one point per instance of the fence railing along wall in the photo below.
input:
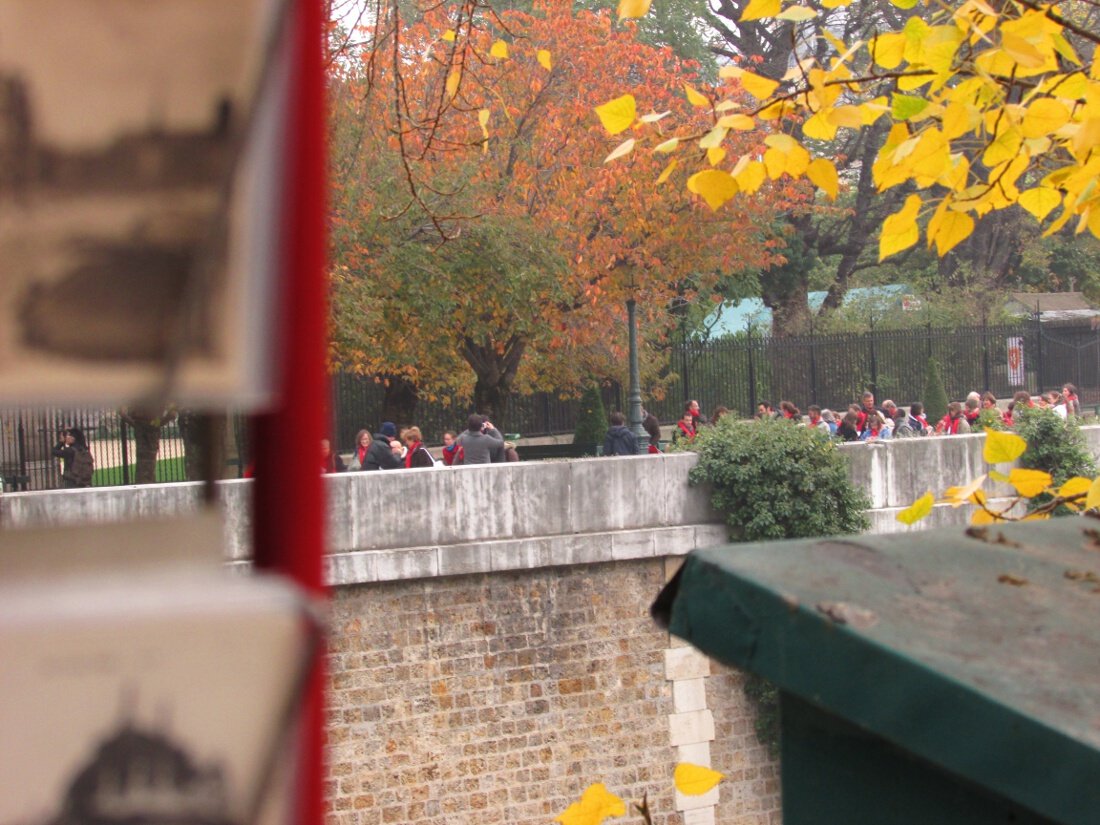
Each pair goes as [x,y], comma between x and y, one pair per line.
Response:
[738,372]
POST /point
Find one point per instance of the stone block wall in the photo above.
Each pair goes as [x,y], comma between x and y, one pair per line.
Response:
[498,698]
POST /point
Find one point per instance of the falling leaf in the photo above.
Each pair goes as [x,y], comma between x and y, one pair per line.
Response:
[453,81]
[667,171]
[918,510]
[624,148]
[1001,448]
[629,9]
[543,57]
[618,115]
[596,804]
[959,495]
[1029,483]
[695,780]
[668,146]
[797,14]
[1013,579]
[449,35]
[653,117]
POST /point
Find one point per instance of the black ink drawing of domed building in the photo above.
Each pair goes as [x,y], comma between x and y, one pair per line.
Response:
[140,777]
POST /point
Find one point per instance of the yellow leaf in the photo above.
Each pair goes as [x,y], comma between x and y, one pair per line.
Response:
[667,171]
[1040,201]
[757,9]
[797,14]
[751,177]
[888,49]
[900,230]
[849,116]
[544,59]
[1001,448]
[714,185]
[668,146]
[1003,148]
[984,517]
[820,127]
[633,8]
[958,495]
[823,175]
[948,228]
[1044,116]
[713,138]
[624,148]
[957,120]
[653,117]
[499,50]
[1029,483]
[449,35]
[453,81]
[757,86]
[1076,486]
[618,115]
[918,510]
[695,780]
[595,805]
[694,98]
[793,161]
[742,123]
[483,119]
[1092,501]
[715,155]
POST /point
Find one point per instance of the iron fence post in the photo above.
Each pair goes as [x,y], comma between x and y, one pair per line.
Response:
[986,374]
[1039,349]
[124,435]
[752,375]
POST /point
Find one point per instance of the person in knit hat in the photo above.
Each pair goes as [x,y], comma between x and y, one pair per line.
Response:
[380,456]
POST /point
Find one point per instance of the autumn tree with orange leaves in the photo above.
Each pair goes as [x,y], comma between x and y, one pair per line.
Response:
[479,236]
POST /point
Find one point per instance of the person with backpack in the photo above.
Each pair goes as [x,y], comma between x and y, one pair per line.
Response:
[77,462]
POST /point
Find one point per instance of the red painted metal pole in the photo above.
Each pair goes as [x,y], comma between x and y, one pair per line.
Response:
[288,503]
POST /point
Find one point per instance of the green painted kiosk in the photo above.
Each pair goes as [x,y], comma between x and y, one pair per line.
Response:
[932,678]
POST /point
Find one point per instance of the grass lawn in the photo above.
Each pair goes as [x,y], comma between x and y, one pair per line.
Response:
[168,469]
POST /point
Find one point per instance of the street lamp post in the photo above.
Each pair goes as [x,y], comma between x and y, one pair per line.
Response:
[634,399]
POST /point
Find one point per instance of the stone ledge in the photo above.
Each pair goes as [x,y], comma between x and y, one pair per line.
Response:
[369,566]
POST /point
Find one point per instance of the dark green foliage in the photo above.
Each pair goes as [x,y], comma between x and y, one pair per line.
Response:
[991,419]
[1053,445]
[591,419]
[935,396]
[775,480]
[765,698]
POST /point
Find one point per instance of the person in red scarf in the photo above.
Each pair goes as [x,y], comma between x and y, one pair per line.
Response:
[685,428]
[416,454]
[1073,402]
[954,423]
[362,447]
[450,448]
[330,461]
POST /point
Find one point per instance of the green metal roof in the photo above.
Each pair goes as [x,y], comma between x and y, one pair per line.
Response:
[978,653]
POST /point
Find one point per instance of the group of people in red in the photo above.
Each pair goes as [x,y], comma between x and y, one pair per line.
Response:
[867,421]
[388,449]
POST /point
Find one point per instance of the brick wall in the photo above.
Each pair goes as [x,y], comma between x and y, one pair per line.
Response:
[500,697]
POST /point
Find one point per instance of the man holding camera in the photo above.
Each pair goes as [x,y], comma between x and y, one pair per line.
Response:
[481,443]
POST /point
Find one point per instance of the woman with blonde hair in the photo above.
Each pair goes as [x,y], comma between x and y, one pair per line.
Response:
[416,454]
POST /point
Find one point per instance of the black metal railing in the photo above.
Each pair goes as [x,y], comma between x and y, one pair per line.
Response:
[736,372]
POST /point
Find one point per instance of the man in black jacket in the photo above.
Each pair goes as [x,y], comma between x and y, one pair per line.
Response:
[380,455]
[619,439]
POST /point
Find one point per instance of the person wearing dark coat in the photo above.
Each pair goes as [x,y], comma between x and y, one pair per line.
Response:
[619,439]
[380,455]
[416,454]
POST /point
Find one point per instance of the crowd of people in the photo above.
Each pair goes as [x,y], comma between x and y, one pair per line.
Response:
[482,443]
[390,449]
[868,421]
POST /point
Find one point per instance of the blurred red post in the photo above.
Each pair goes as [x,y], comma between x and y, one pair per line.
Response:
[288,504]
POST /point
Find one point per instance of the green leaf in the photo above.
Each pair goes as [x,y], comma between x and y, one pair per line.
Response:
[904,107]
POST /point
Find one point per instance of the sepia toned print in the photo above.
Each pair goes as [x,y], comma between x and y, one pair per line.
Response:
[122,126]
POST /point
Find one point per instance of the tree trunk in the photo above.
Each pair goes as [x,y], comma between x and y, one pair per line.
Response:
[400,400]
[147,426]
[203,439]
[495,368]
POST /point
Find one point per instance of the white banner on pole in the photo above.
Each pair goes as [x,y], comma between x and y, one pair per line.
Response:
[1016,374]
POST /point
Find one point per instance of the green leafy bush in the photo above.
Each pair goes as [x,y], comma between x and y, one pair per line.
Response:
[935,396]
[776,480]
[592,419]
[991,419]
[1053,445]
